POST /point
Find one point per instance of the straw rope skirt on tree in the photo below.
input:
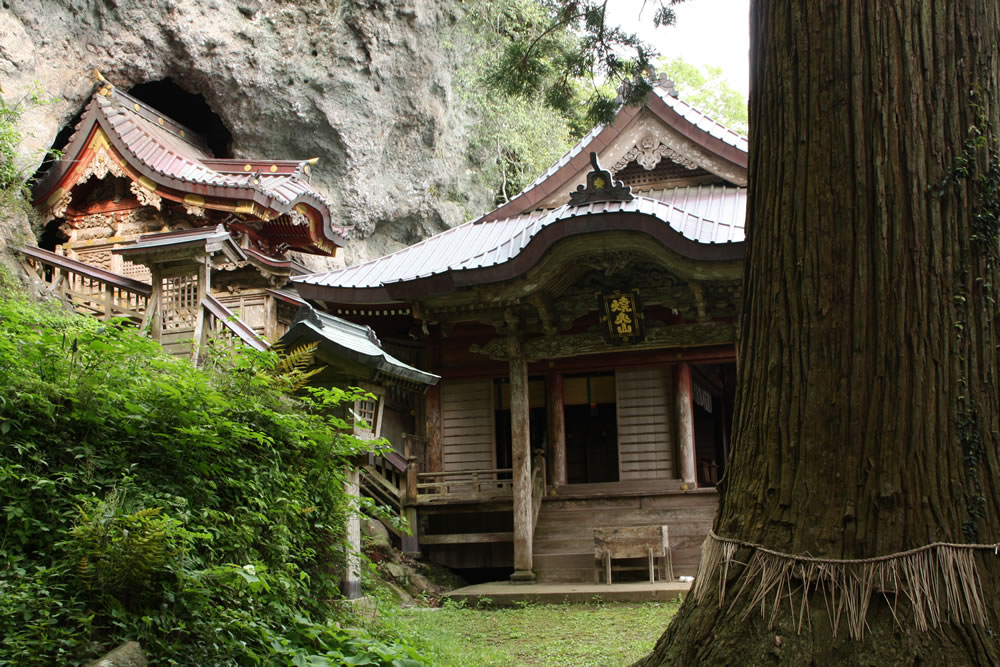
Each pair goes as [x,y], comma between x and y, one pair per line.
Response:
[866,427]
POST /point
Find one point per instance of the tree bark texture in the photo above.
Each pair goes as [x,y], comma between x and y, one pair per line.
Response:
[867,413]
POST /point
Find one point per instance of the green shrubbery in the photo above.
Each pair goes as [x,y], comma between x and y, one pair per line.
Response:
[199,512]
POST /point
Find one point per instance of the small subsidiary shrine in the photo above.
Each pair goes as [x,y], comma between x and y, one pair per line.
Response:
[129,171]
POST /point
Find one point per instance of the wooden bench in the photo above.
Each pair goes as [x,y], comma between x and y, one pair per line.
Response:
[650,542]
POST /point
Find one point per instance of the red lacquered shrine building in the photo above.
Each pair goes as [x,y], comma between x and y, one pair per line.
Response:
[129,172]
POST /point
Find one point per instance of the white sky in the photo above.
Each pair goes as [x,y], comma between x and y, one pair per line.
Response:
[708,32]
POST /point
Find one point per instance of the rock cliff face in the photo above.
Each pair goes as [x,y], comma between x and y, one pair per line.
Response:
[366,86]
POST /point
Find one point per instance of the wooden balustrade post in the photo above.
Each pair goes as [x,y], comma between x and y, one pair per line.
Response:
[351,583]
[410,543]
[109,300]
[410,485]
[521,458]
[153,316]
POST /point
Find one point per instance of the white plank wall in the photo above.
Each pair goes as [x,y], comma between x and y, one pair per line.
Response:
[645,436]
[467,425]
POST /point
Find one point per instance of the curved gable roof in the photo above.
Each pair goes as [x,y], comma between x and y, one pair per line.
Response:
[711,136]
[166,158]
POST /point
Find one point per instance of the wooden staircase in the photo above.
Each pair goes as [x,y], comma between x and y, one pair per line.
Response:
[563,546]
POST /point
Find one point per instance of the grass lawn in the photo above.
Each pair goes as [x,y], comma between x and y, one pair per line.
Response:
[569,634]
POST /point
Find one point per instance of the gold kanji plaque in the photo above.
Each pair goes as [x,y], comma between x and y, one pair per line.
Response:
[621,314]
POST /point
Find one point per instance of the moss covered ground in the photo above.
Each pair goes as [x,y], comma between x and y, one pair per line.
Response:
[550,635]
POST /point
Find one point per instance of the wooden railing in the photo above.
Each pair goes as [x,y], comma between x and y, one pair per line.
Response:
[441,486]
[91,290]
[383,479]
[223,323]
[106,294]
[391,481]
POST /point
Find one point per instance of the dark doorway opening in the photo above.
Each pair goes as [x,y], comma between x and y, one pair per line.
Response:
[712,389]
[537,420]
[190,110]
[591,428]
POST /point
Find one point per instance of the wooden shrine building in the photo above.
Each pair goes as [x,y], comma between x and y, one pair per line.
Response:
[129,172]
[585,337]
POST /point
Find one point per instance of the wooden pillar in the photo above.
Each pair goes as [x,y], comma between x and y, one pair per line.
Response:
[410,543]
[557,429]
[152,315]
[204,288]
[521,461]
[685,424]
[351,584]
[432,426]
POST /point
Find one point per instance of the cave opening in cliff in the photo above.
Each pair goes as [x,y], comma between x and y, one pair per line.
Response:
[188,109]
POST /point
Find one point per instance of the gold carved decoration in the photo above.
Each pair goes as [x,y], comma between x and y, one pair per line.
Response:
[297,218]
[495,349]
[194,205]
[101,166]
[58,209]
[145,196]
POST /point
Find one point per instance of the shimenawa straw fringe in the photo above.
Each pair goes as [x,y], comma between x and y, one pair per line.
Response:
[939,581]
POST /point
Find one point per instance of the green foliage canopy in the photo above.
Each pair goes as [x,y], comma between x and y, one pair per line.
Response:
[555,44]
[707,89]
[539,74]
[517,135]
[199,512]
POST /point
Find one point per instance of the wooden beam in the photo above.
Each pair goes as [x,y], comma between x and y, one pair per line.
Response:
[521,457]
[467,538]
[574,345]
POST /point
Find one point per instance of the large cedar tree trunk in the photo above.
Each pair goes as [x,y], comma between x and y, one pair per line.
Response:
[867,416]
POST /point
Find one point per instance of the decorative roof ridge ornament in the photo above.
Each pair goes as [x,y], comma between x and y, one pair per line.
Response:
[600,187]
[308,314]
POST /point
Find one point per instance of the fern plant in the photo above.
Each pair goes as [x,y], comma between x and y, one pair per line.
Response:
[295,367]
[120,554]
